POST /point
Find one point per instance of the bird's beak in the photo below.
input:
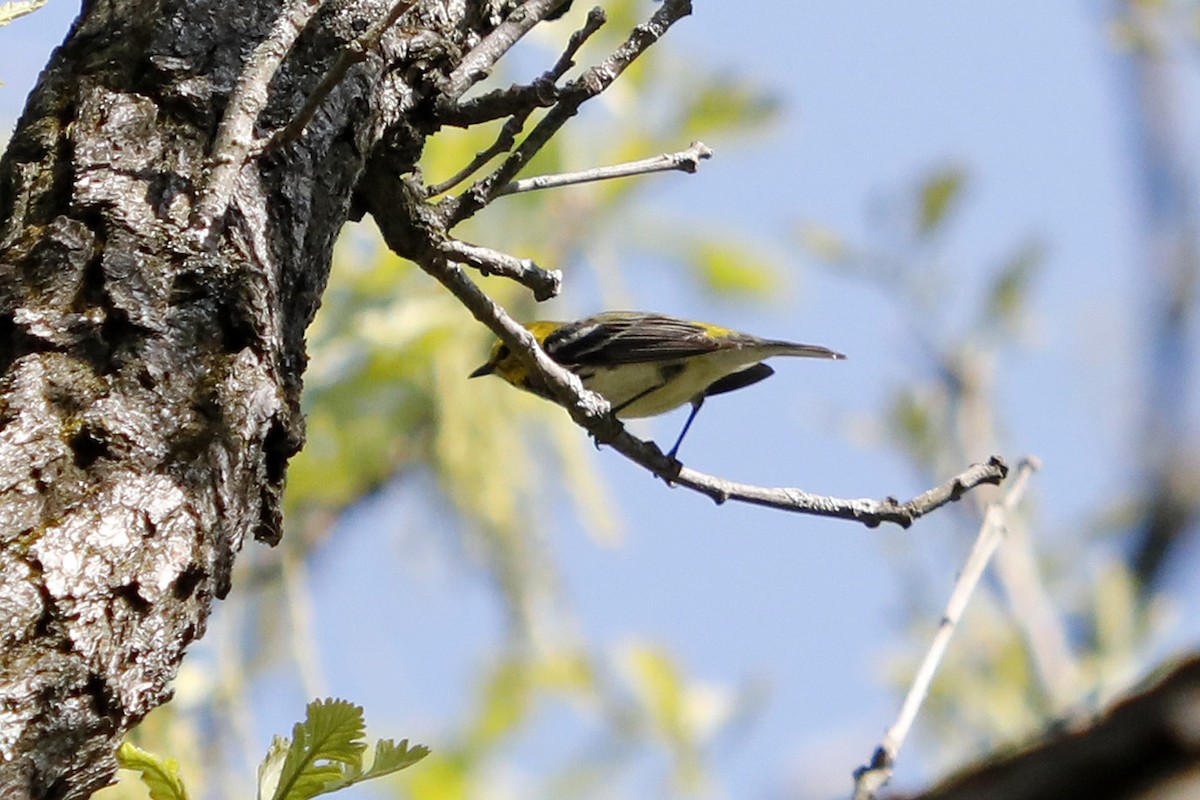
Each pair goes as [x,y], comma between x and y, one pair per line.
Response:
[486,369]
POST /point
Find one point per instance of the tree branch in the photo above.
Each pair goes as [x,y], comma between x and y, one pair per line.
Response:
[522,98]
[477,64]
[591,83]
[683,161]
[235,135]
[869,512]
[519,101]
[869,779]
[354,53]
[543,283]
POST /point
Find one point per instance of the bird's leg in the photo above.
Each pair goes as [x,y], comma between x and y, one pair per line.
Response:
[699,401]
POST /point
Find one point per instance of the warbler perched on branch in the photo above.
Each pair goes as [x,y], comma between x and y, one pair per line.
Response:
[648,364]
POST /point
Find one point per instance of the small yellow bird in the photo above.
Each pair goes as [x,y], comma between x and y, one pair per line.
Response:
[647,364]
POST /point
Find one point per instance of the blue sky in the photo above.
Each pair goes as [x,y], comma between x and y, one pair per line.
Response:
[1027,97]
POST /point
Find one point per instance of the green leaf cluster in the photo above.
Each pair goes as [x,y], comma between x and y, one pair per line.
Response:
[324,755]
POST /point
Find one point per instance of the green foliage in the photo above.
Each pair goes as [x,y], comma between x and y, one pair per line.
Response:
[681,715]
[915,423]
[825,243]
[1006,298]
[325,754]
[939,194]
[735,268]
[730,104]
[160,775]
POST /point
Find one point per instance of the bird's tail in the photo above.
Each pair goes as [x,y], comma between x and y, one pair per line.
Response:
[782,348]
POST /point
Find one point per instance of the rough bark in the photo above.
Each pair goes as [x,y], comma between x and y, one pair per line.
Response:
[149,398]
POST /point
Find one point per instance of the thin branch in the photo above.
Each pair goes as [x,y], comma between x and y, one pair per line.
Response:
[1039,622]
[592,412]
[504,142]
[590,84]
[543,283]
[869,512]
[519,101]
[522,98]
[868,780]
[683,161]
[235,135]
[477,64]
[354,53]
[588,408]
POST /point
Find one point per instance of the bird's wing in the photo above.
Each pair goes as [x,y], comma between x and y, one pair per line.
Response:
[628,338]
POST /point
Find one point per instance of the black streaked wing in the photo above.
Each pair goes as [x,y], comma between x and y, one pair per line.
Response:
[627,338]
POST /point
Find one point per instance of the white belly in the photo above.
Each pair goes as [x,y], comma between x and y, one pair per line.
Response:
[653,381]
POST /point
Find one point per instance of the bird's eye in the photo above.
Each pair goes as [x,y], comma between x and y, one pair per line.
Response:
[502,353]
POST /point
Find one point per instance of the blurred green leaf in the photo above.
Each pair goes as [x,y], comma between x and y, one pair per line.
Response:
[732,268]
[1006,297]
[825,243]
[939,194]
[1116,613]
[914,424]
[443,777]
[506,702]
[727,103]
[682,715]
[657,683]
[160,775]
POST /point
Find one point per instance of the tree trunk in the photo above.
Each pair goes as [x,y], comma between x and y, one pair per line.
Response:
[149,398]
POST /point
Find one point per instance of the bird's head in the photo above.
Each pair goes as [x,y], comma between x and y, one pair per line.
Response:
[503,363]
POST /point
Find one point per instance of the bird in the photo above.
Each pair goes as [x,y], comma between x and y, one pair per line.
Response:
[645,364]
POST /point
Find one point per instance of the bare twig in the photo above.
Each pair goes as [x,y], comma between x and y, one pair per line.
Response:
[869,779]
[235,142]
[592,413]
[522,98]
[235,135]
[519,101]
[504,142]
[683,161]
[1039,621]
[590,84]
[353,53]
[543,283]
[476,65]
[869,512]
